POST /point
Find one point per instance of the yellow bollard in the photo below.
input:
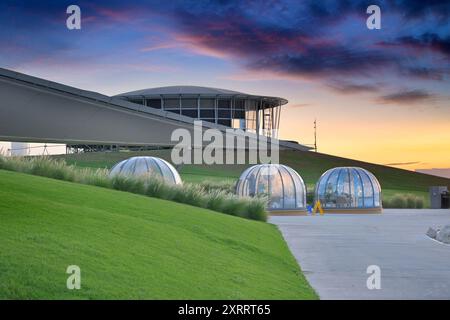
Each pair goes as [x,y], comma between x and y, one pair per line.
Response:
[318,206]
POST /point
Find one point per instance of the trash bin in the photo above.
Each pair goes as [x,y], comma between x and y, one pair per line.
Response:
[445,200]
[439,197]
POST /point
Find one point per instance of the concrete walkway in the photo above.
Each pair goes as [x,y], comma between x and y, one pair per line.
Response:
[335,250]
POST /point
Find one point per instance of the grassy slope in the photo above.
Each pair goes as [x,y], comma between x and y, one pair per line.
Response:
[130,246]
[310,165]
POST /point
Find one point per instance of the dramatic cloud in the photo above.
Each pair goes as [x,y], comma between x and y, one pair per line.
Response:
[425,73]
[321,41]
[406,97]
[426,41]
[325,61]
[420,8]
[350,88]
[314,39]
[402,163]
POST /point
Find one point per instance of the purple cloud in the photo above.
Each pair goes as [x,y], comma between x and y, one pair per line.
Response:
[407,97]
[425,41]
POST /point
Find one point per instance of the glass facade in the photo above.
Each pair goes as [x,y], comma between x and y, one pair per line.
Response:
[142,166]
[282,185]
[257,115]
[348,188]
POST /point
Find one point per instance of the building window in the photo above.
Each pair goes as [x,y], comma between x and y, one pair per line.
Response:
[225,122]
[224,113]
[239,114]
[171,103]
[190,113]
[224,104]
[189,103]
[154,103]
[239,104]
[207,114]
[138,101]
[207,103]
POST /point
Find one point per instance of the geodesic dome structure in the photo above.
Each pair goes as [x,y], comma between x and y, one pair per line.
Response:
[141,166]
[282,185]
[348,188]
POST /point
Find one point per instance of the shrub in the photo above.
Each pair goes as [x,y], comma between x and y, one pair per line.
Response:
[310,197]
[420,203]
[158,189]
[398,201]
[190,194]
[257,209]
[410,201]
[404,201]
[211,195]
[129,184]
[216,200]
[97,178]
[225,186]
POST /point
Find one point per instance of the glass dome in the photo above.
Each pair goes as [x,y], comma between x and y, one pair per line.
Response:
[140,166]
[283,186]
[348,188]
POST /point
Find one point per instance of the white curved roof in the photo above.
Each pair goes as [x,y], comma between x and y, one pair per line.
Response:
[194,90]
[182,90]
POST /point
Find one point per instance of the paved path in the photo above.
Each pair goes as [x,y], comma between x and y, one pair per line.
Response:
[335,250]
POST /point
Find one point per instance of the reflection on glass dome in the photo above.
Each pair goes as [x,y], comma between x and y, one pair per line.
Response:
[348,188]
[282,185]
[141,166]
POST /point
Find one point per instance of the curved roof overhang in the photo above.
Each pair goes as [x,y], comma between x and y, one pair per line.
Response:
[198,92]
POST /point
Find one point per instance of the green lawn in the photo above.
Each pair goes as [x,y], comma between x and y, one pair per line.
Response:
[310,166]
[134,247]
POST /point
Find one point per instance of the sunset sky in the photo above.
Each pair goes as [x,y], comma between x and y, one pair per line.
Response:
[381,96]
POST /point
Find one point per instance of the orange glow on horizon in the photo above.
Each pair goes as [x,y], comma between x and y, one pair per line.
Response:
[394,135]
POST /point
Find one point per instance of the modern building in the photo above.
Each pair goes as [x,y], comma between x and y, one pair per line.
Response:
[37,110]
[258,114]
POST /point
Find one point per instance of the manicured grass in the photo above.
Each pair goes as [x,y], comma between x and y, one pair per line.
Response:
[310,165]
[134,247]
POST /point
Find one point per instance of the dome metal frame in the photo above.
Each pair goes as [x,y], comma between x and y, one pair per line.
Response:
[296,196]
[154,166]
[349,190]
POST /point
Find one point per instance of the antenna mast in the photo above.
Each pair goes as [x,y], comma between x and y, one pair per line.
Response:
[315,135]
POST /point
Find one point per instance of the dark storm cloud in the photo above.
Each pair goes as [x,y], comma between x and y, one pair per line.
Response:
[420,8]
[425,73]
[325,61]
[323,40]
[302,42]
[406,97]
[431,41]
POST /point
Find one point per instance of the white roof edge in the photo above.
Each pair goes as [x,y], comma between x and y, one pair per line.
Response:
[195,91]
